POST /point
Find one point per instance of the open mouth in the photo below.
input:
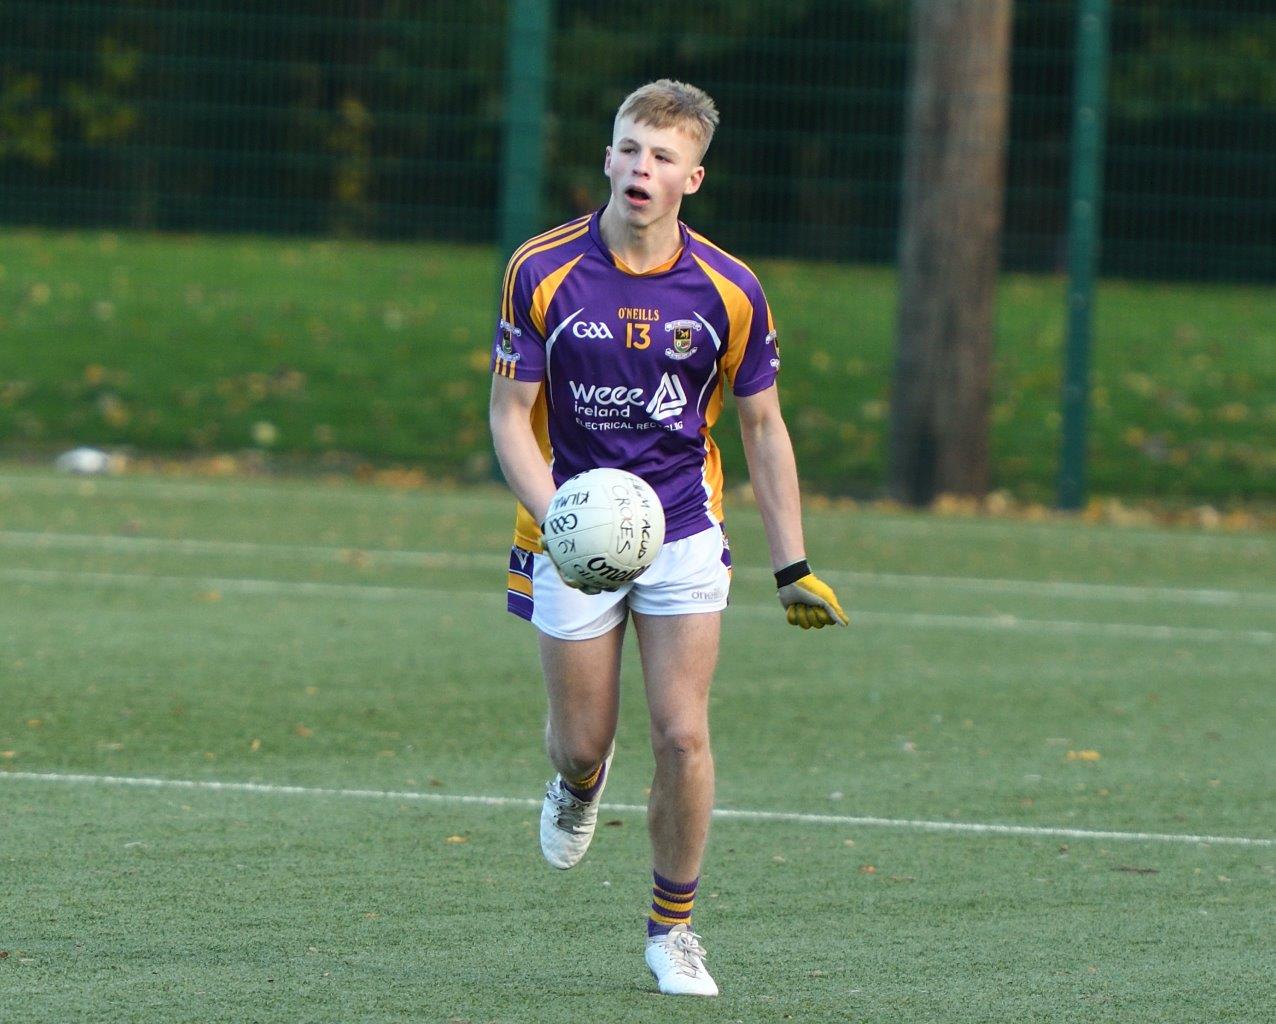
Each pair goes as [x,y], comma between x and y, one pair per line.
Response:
[637,195]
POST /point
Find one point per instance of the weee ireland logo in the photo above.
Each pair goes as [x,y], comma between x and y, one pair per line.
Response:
[669,400]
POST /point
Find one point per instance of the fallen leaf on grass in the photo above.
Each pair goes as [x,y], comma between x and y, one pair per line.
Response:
[614,823]
[302,730]
[1129,870]
[868,869]
[1083,755]
[456,840]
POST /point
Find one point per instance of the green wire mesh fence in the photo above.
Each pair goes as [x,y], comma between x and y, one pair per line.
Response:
[383,119]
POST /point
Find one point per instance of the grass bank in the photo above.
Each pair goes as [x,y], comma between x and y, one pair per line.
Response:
[340,351]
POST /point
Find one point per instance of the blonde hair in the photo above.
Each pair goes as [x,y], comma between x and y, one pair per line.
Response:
[669,104]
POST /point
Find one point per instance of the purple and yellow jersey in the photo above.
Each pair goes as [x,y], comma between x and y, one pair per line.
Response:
[633,367]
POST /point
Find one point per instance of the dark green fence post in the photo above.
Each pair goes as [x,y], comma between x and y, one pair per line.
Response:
[522,169]
[1085,197]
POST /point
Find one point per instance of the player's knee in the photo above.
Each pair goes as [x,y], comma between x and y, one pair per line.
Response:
[679,740]
[581,755]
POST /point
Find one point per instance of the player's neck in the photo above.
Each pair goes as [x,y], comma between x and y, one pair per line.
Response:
[640,248]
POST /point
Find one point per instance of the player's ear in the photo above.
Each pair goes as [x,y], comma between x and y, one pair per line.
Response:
[607,162]
[693,181]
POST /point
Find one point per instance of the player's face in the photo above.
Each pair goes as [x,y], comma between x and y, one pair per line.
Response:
[651,169]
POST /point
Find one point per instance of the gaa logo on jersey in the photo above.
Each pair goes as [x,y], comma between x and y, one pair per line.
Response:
[682,338]
[508,333]
[596,329]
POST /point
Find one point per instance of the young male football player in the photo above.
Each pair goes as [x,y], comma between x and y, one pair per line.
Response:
[619,334]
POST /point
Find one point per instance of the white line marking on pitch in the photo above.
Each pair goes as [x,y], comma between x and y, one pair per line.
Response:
[726,813]
[995,624]
[244,490]
[31,539]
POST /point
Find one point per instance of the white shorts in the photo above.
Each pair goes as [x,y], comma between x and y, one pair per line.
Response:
[688,577]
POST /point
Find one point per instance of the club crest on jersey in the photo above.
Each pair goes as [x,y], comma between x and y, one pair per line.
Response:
[682,338]
[508,333]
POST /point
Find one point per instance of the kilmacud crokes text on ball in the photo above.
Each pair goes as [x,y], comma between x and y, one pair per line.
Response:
[604,528]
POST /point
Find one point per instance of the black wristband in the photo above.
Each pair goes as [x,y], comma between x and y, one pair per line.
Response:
[792,573]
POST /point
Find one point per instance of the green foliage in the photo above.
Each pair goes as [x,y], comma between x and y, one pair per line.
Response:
[383,120]
[1195,63]
[102,108]
[26,128]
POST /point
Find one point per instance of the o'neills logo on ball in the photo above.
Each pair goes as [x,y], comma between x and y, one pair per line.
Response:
[605,570]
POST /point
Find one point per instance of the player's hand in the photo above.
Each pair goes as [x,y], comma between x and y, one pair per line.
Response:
[809,602]
[588,591]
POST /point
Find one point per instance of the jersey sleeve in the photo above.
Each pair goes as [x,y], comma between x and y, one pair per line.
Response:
[518,348]
[753,354]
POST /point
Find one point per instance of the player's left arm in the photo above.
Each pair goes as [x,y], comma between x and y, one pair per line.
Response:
[809,602]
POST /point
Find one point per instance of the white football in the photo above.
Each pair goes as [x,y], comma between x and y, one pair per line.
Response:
[604,528]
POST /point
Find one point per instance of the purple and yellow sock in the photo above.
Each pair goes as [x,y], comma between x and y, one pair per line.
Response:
[587,788]
[670,904]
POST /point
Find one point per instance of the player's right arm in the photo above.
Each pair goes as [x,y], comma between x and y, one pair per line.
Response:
[517,451]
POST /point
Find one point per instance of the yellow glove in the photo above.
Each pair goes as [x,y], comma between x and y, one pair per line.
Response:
[808,600]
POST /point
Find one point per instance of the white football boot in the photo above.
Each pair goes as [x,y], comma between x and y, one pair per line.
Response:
[567,823]
[677,961]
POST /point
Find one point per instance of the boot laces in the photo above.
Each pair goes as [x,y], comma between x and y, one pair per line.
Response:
[571,814]
[686,952]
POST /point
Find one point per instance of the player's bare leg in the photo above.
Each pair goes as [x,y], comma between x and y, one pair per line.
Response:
[679,654]
[582,681]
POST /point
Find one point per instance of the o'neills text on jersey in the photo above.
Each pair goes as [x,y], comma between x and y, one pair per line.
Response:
[639,314]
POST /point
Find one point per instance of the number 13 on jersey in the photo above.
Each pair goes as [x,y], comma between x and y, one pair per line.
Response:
[643,332]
